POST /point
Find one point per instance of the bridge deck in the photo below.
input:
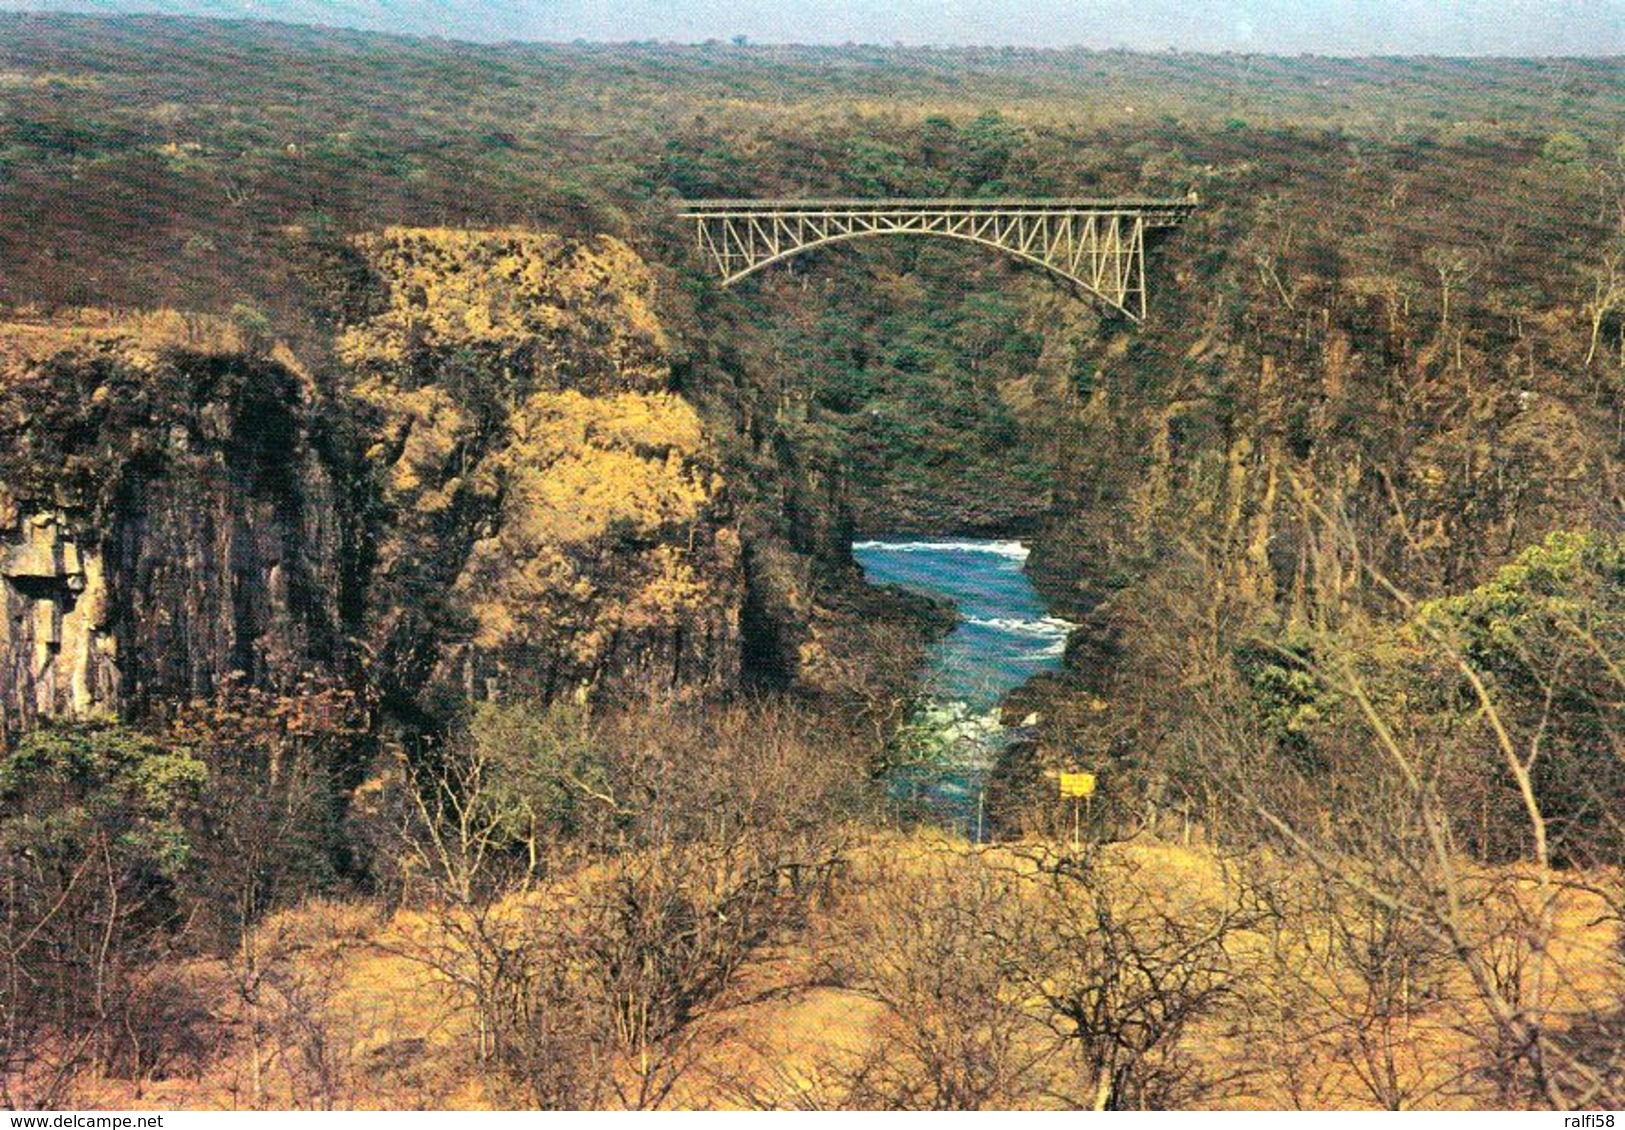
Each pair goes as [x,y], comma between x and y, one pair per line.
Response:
[1157,211]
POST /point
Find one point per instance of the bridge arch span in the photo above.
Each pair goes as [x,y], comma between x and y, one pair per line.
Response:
[849,237]
[1098,245]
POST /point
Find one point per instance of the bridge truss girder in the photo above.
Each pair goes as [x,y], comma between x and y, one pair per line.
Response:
[1099,246]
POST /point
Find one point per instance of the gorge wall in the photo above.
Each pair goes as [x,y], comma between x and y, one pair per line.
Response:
[1397,306]
[487,488]
[553,518]
[169,512]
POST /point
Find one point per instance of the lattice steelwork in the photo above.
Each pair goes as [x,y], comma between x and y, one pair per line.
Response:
[1097,244]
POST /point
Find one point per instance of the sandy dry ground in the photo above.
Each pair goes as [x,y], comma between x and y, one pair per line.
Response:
[353,1016]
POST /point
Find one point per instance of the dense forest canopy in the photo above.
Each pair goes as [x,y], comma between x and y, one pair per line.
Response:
[220,131]
[168,164]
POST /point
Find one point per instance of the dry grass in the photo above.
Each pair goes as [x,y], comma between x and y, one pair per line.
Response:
[817,1019]
[138,339]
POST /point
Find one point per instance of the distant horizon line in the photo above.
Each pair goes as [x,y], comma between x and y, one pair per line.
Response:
[751,43]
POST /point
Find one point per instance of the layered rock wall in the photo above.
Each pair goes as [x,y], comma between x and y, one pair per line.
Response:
[490,492]
[166,518]
[556,521]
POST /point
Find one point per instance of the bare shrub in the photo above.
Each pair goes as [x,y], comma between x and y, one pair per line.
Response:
[289,976]
[581,955]
[1455,799]
[1125,974]
[933,940]
[1336,998]
[1029,978]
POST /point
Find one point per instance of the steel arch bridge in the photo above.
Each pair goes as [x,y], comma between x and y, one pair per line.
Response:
[1097,245]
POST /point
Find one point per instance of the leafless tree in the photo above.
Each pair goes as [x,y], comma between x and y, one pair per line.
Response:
[1408,899]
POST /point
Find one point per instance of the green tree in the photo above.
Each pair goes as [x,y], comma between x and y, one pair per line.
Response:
[93,849]
[546,780]
[1547,633]
[986,145]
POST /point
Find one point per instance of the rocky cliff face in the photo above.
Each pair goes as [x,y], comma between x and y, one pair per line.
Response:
[553,519]
[1345,384]
[497,494]
[167,517]
[59,651]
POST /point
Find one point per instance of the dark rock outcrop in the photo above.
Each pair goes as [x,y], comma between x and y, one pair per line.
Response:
[497,495]
[167,514]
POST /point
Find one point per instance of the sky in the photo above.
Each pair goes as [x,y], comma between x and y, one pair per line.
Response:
[1331,27]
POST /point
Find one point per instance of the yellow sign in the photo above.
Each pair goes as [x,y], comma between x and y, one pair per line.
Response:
[1077,784]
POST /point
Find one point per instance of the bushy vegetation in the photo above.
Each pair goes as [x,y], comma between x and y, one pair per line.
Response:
[197,187]
[123,852]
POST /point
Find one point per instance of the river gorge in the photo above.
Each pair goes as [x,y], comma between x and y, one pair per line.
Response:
[1002,636]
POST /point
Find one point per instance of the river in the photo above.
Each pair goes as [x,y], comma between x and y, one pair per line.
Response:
[1002,638]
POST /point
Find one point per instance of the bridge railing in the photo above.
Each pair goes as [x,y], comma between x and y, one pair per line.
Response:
[1158,211]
